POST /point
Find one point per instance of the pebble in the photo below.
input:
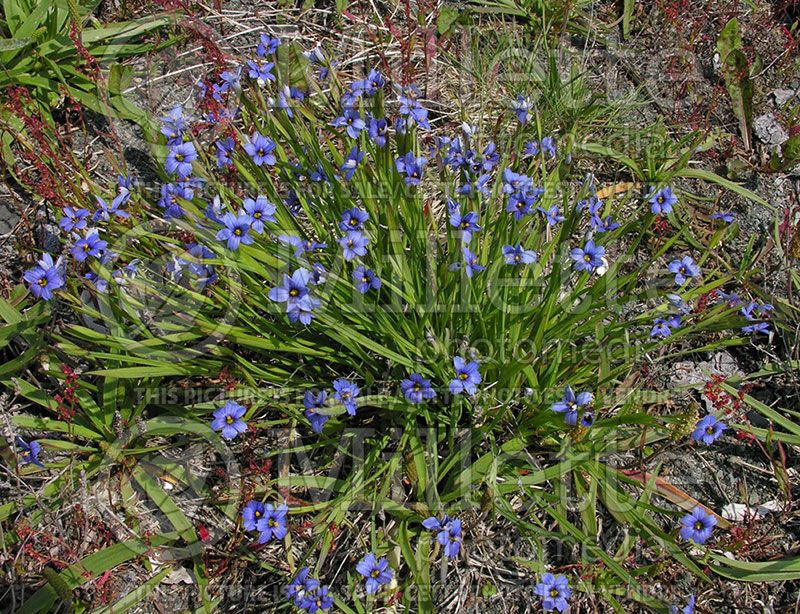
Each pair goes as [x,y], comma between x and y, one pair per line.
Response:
[769,131]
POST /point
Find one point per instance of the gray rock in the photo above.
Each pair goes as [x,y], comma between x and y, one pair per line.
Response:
[769,131]
[783,96]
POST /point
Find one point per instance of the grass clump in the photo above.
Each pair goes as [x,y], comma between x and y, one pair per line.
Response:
[431,321]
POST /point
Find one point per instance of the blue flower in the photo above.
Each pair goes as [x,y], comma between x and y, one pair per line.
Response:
[45,278]
[74,219]
[521,107]
[466,224]
[376,571]
[179,159]
[259,210]
[489,157]
[293,94]
[260,72]
[126,273]
[531,149]
[725,216]
[29,452]
[90,245]
[124,187]
[517,255]
[228,420]
[454,157]
[273,524]
[100,284]
[313,402]
[588,259]
[684,269]
[467,376]
[554,591]
[318,175]
[414,112]
[478,184]
[346,393]
[603,225]
[552,215]
[300,585]
[319,274]
[171,195]
[317,599]
[364,279]
[301,245]
[353,219]
[661,201]
[449,536]
[708,430]
[688,608]
[105,211]
[377,129]
[549,146]
[236,231]
[354,244]
[417,389]
[697,525]
[225,150]
[251,514]
[351,121]
[660,328]
[370,86]
[515,182]
[267,45]
[570,404]
[678,303]
[411,166]
[230,79]
[451,539]
[351,162]
[173,126]
[352,92]
[260,149]
[295,293]
[593,206]
[755,312]
[471,265]
[521,203]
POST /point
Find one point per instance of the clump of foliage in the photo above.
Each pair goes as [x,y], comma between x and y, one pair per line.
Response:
[457,312]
